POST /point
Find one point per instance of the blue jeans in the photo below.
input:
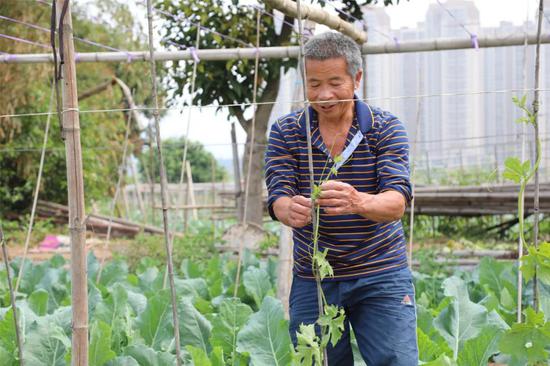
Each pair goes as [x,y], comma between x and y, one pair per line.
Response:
[379,308]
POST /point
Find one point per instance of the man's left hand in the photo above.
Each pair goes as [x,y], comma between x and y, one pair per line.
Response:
[339,198]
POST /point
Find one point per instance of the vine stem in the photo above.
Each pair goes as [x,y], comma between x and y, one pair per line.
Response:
[315,222]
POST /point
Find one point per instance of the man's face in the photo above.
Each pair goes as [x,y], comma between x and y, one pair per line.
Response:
[328,81]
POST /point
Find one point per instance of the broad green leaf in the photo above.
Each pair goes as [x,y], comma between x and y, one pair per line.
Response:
[38,302]
[478,350]
[192,287]
[199,356]
[442,360]
[115,271]
[99,351]
[265,336]
[216,357]
[116,312]
[123,361]
[428,350]
[7,359]
[190,269]
[148,356]
[462,319]
[155,322]
[232,317]
[194,327]
[7,331]
[529,339]
[308,349]
[46,344]
[256,283]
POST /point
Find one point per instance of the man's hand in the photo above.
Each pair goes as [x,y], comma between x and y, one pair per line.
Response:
[339,198]
[293,211]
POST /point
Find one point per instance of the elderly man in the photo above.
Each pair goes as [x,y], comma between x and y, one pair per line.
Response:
[361,207]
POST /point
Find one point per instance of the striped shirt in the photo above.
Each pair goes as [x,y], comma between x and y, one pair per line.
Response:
[375,159]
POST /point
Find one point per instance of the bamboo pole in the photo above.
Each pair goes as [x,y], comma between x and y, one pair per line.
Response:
[536,302]
[436,44]
[75,184]
[236,173]
[318,15]
[12,297]
[163,185]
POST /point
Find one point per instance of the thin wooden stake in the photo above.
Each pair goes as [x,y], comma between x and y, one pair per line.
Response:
[163,186]
[536,302]
[75,184]
[12,297]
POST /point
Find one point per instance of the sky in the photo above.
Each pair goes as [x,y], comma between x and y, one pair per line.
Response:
[213,130]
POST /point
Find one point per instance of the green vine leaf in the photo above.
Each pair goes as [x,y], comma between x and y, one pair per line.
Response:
[323,265]
[528,339]
[333,321]
[537,260]
[308,350]
[316,192]
[515,170]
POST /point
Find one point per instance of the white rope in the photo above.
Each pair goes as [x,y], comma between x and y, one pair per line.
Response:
[36,191]
[192,95]
[218,106]
[163,184]
[121,172]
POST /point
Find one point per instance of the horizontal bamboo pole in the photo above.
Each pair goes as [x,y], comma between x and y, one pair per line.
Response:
[438,44]
[318,15]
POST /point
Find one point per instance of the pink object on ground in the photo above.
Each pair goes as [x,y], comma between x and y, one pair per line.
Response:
[50,242]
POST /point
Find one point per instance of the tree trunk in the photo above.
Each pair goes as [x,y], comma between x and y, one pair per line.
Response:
[254,206]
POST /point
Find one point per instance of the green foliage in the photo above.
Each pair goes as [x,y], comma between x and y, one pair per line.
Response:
[528,340]
[21,137]
[100,344]
[537,261]
[223,82]
[232,317]
[332,321]
[308,349]
[172,150]
[257,284]
[265,336]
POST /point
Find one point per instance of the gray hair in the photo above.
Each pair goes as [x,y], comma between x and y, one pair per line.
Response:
[333,45]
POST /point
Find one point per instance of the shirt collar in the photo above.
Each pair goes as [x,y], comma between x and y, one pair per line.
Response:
[363,113]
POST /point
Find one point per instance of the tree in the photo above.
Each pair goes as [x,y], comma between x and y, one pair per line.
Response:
[26,88]
[232,81]
[199,158]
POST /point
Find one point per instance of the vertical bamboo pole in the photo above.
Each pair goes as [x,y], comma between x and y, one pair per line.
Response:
[536,302]
[75,183]
[236,173]
[163,185]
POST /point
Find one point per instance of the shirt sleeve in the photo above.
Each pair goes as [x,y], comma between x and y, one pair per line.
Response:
[392,165]
[280,168]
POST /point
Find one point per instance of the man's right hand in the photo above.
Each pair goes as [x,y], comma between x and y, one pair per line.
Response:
[293,211]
